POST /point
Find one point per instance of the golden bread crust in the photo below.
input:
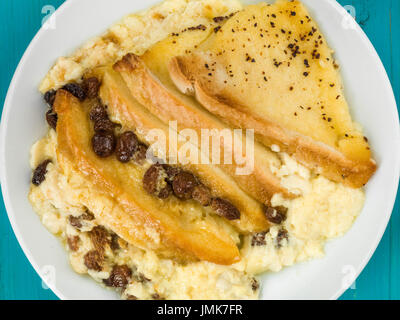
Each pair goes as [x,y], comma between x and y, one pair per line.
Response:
[145,215]
[169,105]
[313,154]
[134,116]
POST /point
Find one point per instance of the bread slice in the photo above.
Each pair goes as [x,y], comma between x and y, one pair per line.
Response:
[269,68]
[156,92]
[135,117]
[146,220]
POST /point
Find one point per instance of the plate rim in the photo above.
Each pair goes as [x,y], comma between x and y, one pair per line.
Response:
[3,129]
[4,123]
[396,176]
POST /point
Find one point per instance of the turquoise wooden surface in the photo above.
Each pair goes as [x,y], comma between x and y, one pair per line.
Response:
[20,20]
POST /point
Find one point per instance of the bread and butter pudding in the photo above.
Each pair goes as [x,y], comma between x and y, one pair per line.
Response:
[155,229]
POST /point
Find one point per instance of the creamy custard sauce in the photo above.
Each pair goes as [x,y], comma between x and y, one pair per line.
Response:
[323,211]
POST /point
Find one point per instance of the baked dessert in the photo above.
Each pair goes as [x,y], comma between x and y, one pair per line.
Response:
[164,100]
[126,108]
[271,69]
[138,220]
[181,236]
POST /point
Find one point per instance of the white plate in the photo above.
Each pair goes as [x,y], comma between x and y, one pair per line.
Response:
[372,103]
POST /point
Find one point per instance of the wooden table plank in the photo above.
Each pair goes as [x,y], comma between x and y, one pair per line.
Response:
[395,78]
[373,17]
[18,280]
[380,19]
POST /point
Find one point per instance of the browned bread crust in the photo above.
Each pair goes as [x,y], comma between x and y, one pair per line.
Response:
[334,165]
[144,216]
[169,104]
[134,116]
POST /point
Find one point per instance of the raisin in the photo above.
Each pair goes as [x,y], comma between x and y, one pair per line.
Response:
[91,87]
[255,285]
[126,146]
[141,278]
[73,243]
[156,296]
[103,144]
[50,97]
[104,125]
[52,118]
[150,178]
[282,235]
[93,260]
[275,214]
[225,209]
[98,112]
[258,239]
[140,154]
[165,192]
[183,185]
[76,90]
[202,195]
[75,222]
[87,215]
[39,175]
[114,242]
[154,182]
[119,277]
[171,172]
[99,237]
[131,297]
